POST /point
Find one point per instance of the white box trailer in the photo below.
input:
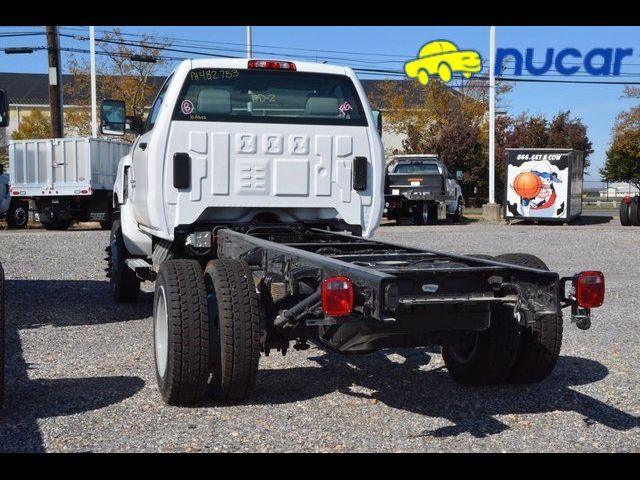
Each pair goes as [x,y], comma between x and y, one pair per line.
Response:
[69,179]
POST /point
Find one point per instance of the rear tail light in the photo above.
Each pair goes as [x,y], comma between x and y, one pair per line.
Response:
[272,65]
[590,289]
[337,296]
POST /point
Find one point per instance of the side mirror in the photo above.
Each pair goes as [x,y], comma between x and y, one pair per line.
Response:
[4,109]
[112,117]
[377,117]
[134,125]
[459,175]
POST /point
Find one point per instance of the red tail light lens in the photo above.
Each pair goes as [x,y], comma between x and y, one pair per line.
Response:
[337,296]
[590,289]
[272,65]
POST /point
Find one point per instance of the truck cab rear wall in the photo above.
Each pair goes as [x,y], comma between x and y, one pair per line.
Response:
[305,171]
[251,164]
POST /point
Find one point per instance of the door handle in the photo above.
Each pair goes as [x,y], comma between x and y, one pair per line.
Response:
[142,145]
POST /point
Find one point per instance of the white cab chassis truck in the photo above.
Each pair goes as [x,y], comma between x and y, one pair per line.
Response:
[250,197]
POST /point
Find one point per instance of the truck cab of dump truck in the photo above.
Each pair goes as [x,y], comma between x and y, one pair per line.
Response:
[235,141]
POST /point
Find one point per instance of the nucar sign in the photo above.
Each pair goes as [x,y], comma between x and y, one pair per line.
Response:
[599,61]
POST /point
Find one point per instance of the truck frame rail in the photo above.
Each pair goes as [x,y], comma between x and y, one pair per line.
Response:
[390,277]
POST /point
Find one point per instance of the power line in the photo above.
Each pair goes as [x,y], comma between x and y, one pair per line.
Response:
[363,64]
[368,71]
[259,45]
[177,40]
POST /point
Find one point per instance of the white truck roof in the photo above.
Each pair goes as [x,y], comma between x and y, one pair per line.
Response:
[416,155]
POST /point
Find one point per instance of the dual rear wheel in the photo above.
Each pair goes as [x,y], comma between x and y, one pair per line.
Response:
[507,352]
[206,331]
[630,212]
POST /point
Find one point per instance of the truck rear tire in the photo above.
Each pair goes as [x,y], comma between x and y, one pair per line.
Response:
[625,220]
[634,212]
[488,357]
[18,214]
[457,215]
[423,216]
[235,328]
[181,332]
[123,281]
[540,344]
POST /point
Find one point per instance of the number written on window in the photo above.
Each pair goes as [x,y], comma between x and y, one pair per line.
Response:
[209,74]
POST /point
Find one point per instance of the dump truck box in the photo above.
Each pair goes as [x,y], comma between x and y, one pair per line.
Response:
[69,179]
[63,166]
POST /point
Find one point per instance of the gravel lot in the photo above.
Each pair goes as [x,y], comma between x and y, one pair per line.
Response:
[80,375]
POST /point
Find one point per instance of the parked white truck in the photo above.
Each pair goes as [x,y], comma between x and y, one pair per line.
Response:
[235,199]
[4,121]
[13,210]
[419,188]
[68,179]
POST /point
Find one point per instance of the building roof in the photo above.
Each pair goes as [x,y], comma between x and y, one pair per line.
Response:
[33,88]
[27,88]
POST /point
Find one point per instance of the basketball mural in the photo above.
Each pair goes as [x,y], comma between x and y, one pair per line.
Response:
[535,189]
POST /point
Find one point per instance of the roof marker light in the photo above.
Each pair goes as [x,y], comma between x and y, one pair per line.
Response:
[272,65]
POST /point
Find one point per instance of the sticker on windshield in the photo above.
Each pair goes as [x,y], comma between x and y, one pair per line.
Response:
[187,107]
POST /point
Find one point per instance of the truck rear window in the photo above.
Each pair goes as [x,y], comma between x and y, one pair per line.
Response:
[269,96]
[417,168]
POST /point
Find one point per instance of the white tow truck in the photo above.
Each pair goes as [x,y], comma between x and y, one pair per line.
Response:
[251,196]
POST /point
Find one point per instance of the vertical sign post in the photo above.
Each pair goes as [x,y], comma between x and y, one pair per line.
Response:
[492,116]
[248,41]
[94,113]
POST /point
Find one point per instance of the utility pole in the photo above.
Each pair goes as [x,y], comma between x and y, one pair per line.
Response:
[94,113]
[55,82]
[492,116]
[248,41]
[492,211]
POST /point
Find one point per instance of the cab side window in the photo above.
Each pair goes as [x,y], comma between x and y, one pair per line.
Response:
[157,105]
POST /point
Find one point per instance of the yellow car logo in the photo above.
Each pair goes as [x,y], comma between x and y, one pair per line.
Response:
[442,58]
